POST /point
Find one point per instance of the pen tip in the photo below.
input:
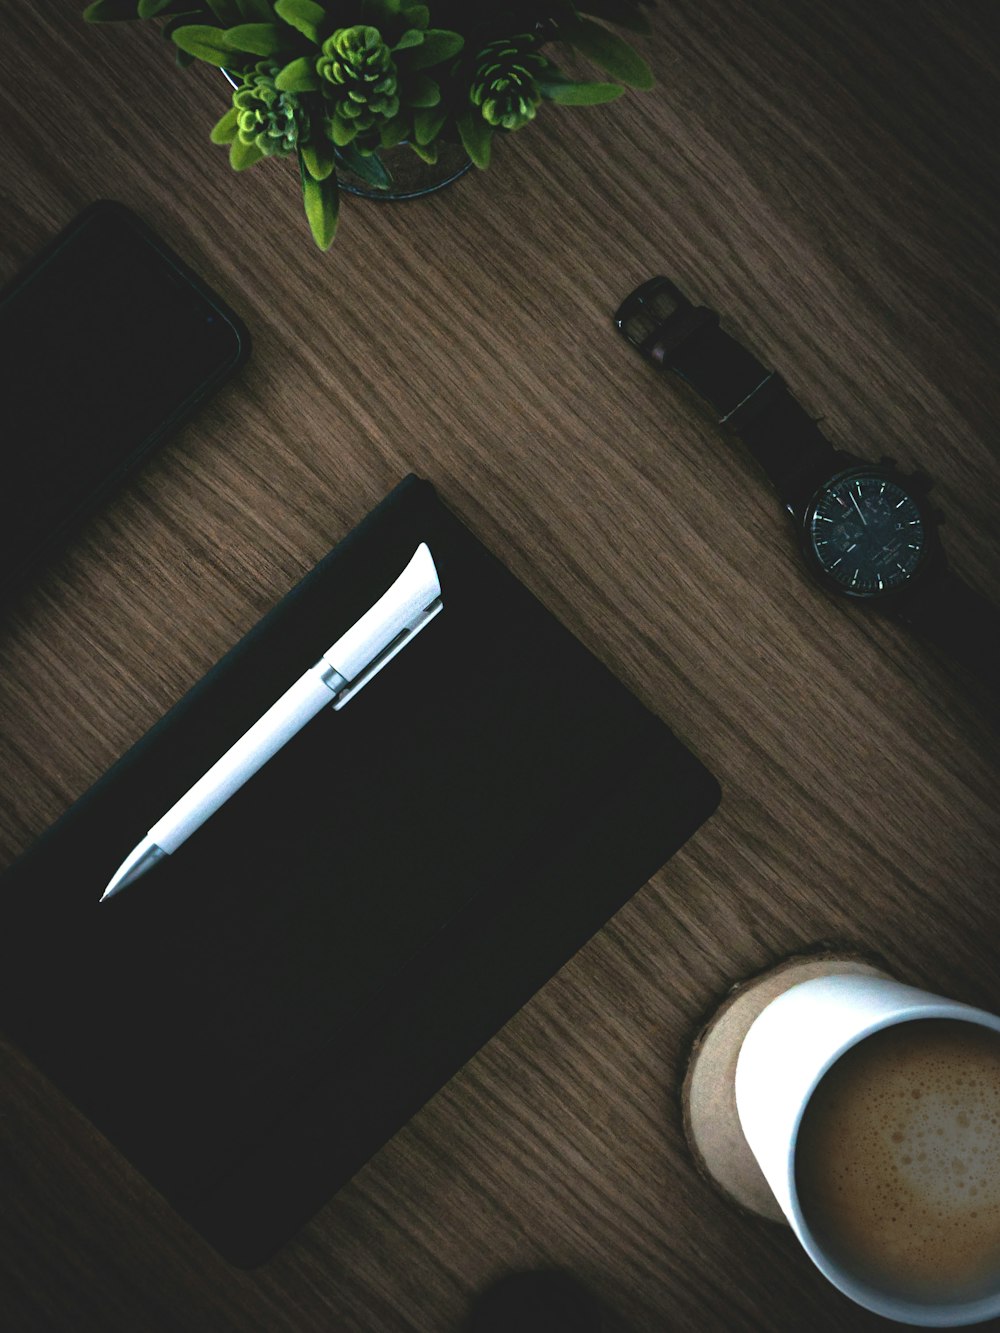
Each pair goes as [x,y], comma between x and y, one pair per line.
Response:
[139,860]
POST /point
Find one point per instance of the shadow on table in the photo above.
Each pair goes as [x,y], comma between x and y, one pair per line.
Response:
[541,1301]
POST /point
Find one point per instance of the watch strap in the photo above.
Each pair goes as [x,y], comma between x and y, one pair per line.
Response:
[945,611]
[751,400]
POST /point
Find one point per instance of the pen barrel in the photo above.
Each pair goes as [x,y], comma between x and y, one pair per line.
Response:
[275,728]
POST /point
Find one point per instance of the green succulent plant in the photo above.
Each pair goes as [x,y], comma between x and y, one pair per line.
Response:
[268,122]
[334,82]
[361,73]
[505,83]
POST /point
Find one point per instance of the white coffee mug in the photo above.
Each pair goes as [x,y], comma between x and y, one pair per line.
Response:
[786,1052]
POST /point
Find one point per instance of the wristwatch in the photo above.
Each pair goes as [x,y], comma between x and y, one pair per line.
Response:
[867,531]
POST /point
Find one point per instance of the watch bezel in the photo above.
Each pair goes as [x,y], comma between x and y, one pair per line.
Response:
[885,596]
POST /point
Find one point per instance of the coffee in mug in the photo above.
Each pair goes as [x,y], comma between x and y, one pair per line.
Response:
[873,1111]
[898,1160]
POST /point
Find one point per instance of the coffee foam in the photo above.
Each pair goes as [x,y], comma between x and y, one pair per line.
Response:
[898,1160]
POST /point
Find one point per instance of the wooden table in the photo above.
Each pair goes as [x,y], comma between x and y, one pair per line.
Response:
[825,175]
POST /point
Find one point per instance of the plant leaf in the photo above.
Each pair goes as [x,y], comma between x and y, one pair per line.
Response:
[110,11]
[426,152]
[304,15]
[224,131]
[427,124]
[417,16]
[423,92]
[607,49]
[412,37]
[298,76]
[368,167]
[260,39]
[619,12]
[204,43]
[178,21]
[148,9]
[243,155]
[341,131]
[439,44]
[476,135]
[226,11]
[567,93]
[322,205]
[318,158]
[255,11]
[392,132]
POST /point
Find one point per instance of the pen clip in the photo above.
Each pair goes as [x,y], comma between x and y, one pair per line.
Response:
[403,610]
[386,655]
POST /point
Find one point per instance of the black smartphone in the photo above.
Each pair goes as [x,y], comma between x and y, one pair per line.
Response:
[107,341]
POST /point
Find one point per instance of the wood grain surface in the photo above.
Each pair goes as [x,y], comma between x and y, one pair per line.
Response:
[823,173]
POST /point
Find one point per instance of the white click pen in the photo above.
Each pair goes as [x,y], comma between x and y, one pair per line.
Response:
[396,618]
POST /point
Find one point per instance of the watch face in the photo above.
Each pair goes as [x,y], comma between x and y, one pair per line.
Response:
[867,533]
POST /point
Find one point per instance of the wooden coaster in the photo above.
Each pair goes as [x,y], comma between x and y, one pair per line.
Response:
[708,1097]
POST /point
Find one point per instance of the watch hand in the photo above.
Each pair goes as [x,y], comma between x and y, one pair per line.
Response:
[856,506]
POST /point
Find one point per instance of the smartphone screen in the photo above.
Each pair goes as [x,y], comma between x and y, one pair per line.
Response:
[106,343]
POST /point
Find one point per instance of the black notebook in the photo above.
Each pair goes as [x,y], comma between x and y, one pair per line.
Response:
[254,1018]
